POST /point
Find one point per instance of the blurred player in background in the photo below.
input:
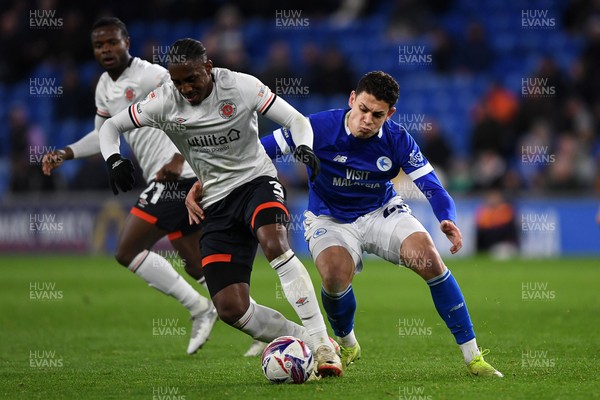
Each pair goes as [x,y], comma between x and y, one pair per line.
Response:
[160,210]
[353,207]
[211,114]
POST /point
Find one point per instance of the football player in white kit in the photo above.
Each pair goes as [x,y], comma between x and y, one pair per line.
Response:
[211,116]
[160,210]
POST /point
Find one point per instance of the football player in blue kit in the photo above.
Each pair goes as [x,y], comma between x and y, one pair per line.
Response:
[353,208]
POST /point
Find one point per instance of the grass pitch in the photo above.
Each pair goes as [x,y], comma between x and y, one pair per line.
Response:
[85,328]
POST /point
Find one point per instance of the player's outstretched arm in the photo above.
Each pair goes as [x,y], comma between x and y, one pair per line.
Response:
[284,114]
[192,203]
[453,234]
[120,169]
[87,146]
[443,207]
[54,159]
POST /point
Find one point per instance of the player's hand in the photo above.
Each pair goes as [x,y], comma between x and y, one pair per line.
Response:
[192,203]
[54,159]
[453,234]
[121,173]
[307,156]
[172,170]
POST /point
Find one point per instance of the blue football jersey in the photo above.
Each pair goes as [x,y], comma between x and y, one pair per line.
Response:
[356,173]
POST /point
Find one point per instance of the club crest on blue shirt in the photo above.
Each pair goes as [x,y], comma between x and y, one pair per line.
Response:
[319,232]
[416,159]
[384,163]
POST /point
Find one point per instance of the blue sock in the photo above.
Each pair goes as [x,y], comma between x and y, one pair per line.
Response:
[450,304]
[340,309]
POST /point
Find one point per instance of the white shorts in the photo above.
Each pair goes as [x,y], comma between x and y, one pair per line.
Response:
[380,232]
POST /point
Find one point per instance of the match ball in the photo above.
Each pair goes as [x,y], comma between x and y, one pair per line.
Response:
[287,360]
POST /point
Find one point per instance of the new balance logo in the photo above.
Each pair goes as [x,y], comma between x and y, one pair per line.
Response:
[340,158]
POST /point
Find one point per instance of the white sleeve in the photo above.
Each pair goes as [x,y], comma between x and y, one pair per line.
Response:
[284,114]
[135,116]
[89,145]
[109,135]
[100,98]
[86,146]
[154,77]
[260,98]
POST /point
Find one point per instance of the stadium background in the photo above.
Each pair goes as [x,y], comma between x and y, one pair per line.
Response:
[503,98]
[514,99]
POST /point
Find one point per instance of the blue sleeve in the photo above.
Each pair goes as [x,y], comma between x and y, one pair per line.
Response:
[441,202]
[270,145]
[278,143]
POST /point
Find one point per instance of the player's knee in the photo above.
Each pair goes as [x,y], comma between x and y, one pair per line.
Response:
[273,245]
[193,269]
[419,254]
[336,268]
[124,256]
[433,264]
[230,312]
[335,278]
[427,262]
[335,282]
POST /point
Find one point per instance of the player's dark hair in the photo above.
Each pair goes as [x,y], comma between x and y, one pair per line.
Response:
[380,85]
[111,21]
[187,50]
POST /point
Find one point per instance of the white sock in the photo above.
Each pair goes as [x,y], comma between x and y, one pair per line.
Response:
[159,274]
[470,350]
[349,340]
[266,324]
[300,293]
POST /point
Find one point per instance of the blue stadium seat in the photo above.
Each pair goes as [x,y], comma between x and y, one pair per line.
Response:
[137,31]
[182,29]
[160,30]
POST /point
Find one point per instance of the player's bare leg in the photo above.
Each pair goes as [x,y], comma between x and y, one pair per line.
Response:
[262,323]
[299,291]
[418,253]
[137,238]
[188,248]
[336,267]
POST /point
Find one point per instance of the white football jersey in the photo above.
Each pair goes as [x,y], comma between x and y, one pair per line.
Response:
[219,136]
[152,149]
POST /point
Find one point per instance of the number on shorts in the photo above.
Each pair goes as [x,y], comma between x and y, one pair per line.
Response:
[278,189]
[395,208]
[159,189]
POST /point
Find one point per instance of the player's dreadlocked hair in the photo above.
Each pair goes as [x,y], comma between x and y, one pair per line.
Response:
[381,85]
[111,21]
[187,50]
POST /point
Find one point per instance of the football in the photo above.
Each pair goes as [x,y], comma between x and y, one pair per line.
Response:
[287,360]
